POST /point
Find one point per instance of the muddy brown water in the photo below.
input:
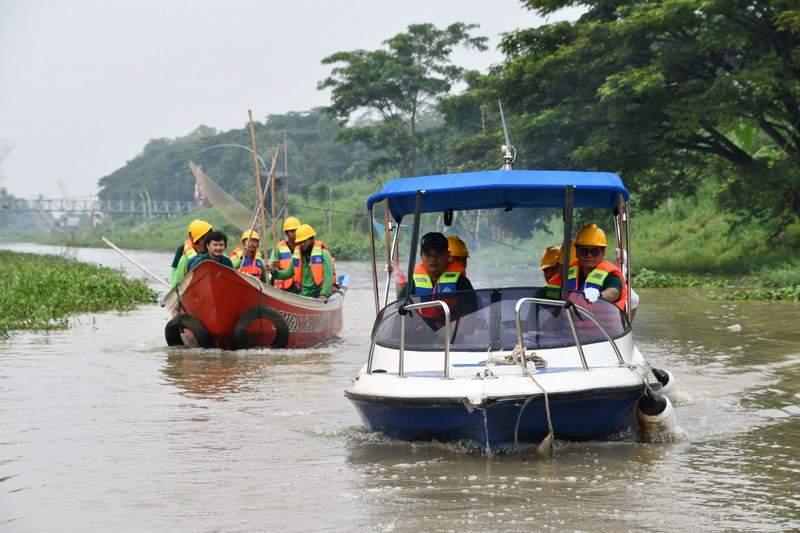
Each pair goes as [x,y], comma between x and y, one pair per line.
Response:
[103,428]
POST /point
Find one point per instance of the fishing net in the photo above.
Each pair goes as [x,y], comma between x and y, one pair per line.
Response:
[229,207]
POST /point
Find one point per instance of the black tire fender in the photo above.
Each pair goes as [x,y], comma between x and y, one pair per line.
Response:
[173,329]
[260,312]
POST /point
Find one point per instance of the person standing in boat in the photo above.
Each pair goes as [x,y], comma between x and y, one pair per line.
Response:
[458,250]
[249,259]
[311,269]
[191,248]
[591,273]
[281,255]
[216,242]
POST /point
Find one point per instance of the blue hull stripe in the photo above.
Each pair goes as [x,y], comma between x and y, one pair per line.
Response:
[576,417]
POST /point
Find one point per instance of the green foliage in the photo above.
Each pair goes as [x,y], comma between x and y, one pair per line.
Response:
[645,278]
[162,170]
[41,292]
[398,85]
[781,293]
[660,91]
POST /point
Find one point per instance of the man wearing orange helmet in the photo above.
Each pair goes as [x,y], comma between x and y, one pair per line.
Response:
[458,250]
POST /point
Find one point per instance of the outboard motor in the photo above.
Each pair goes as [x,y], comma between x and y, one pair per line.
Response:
[657,419]
[668,387]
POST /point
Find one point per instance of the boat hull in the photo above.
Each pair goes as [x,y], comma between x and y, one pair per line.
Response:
[239,311]
[578,416]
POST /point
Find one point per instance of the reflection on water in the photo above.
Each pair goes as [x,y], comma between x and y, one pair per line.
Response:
[219,373]
[104,428]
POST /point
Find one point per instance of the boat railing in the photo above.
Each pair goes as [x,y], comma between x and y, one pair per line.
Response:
[570,308]
[403,312]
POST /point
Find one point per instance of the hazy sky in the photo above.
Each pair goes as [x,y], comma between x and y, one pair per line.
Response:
[84,84]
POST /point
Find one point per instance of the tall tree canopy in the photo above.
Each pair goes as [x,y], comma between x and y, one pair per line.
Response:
[660,91]
[398,85]
[162,168]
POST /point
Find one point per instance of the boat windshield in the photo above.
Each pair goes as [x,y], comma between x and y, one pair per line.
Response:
[483,320]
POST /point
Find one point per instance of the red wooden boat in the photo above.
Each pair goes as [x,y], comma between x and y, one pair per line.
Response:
[218,307]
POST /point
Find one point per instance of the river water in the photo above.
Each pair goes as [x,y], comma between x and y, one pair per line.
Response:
[103,428]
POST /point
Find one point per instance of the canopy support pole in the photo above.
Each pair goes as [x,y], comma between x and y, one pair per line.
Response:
[414,238]
[374,266]
[569,191]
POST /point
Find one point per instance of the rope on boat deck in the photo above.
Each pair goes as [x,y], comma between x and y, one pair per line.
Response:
[545,447]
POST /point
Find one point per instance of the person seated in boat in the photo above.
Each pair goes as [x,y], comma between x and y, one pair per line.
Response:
[550,265]
[458,250]
[437,274]
[249,259]
[281,255]
[591,273]
[311,268]
[191,248]
[216,242]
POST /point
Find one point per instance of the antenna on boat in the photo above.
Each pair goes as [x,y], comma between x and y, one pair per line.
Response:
[509,152]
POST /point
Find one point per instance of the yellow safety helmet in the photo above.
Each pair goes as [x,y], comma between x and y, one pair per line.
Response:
[249,234]
[591,235]
[198,228]
[291,223]
[551,257]
[456,246]
[304,232]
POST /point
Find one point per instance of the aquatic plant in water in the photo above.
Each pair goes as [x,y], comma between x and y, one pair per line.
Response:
[40,292]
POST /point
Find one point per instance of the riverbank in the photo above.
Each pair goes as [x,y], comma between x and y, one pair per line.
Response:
[687,242]
[42,292]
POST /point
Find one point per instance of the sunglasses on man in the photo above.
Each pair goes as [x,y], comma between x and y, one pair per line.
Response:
[589,250]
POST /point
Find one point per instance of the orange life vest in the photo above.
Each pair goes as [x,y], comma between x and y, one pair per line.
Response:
[595,279]
[316,262]
[235,253]
[447,282]
[284,260]
[188,249]
[254,268]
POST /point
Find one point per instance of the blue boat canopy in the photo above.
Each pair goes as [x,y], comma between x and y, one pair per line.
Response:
[500,188]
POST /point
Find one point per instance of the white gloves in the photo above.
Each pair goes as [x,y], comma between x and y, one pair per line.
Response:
[591,294]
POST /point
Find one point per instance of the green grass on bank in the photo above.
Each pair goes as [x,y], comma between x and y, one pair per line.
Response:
[687,242]
[40,292]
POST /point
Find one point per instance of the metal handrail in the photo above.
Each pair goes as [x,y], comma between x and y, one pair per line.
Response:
[569,307]
[603,331]
[411,307]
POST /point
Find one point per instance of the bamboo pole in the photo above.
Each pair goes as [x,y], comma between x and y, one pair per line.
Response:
[272,194]
[259,191]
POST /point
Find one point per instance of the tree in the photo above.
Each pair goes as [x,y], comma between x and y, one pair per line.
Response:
[396,85]
[657,90]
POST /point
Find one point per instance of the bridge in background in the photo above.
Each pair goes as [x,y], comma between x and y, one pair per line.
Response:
[95,206]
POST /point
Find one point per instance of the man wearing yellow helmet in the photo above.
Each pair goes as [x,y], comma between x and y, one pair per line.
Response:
[311,268]
[281,254]
[591,273]
[249,259]
[192,247]
[458,250]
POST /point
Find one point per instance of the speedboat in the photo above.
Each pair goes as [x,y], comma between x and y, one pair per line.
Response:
[506,365]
